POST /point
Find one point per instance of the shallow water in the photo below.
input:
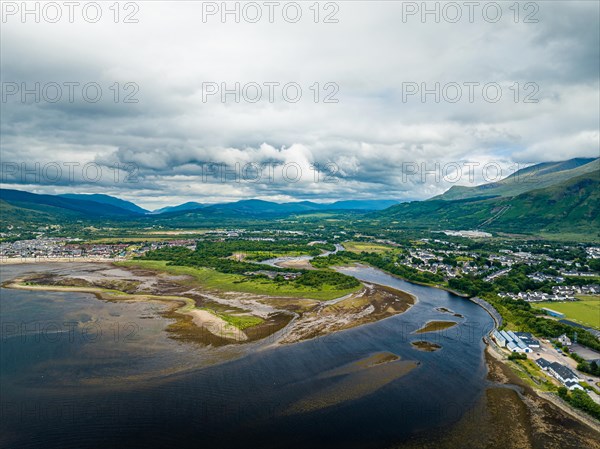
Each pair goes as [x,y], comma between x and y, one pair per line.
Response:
[147,390]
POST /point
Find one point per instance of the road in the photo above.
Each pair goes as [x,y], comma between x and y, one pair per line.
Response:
[548,352]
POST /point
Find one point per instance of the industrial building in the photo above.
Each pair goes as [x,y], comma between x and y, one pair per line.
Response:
[528,339]
[563,373]
[543,363]
[553,313]
[560,372]
[513,342]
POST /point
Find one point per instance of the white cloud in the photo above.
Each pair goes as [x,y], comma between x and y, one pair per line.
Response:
[370,134]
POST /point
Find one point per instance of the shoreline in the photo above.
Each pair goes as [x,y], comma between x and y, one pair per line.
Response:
[488,350]
[187,307]
[492,356]
[193,320]
[424,284]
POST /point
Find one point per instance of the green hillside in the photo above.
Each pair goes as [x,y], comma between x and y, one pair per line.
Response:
[19,215]
[525,180]
[106,199]
[571,206]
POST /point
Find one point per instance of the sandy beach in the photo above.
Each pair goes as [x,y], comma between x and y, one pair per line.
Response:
[216,325]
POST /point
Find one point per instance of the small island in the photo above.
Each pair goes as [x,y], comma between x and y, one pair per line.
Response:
[435,326]
[425,346]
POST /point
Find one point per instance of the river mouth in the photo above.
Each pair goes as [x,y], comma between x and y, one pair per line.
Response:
[216,318]
[186,395]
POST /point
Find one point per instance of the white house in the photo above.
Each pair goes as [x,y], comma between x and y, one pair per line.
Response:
[564,340]
[562,373]
[573,386]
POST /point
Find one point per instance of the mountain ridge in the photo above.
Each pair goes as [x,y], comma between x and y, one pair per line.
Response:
[529,178]
[570,206]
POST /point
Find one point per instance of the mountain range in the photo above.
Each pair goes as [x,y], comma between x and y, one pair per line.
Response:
[555,197]
[53,207]
[548,197]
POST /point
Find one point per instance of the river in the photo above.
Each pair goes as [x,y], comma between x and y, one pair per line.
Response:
[77,391]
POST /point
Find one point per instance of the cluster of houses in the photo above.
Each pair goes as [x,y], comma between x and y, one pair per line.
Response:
[593,252]
[537,296]
[44,247]
[433,263]
[559,293]
[541,277]
[62,248]
[560,372]
[565,290]
[516,341]
[497,274]
[59,248]
[584,274]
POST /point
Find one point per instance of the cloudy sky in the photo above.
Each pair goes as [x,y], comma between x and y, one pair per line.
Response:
[373,101]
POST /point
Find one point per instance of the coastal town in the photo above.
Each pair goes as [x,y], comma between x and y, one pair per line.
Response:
[543,274]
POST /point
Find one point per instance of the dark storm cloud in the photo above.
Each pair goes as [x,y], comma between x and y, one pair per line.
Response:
[372,139]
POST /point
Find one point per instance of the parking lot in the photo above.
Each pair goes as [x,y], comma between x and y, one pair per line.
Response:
[548,352]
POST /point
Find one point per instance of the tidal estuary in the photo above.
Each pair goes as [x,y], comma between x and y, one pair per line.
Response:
[85,373]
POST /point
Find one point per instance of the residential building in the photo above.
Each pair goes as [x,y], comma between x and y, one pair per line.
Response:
[543,363]
[562,373]
[564,340]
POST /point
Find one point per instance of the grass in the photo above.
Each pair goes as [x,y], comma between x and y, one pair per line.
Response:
[585,312]
[571,236]
[212,279]
[532,374]
[589,387]
[240,321]
[358,247]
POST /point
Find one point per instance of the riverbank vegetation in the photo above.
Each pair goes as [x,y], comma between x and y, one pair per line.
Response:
[579,399]
[260,285]
[239,321]
[384,261]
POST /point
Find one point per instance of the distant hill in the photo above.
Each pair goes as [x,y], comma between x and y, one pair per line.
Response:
[106,199]
[569,206]
[527,179]
[360,205]
[25,207]
[258,207]
[13,215]
[191,205]
[19,207]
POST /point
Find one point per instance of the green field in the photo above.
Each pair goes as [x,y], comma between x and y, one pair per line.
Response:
[367,247]
[586,311]
[240,321]
[213,279]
